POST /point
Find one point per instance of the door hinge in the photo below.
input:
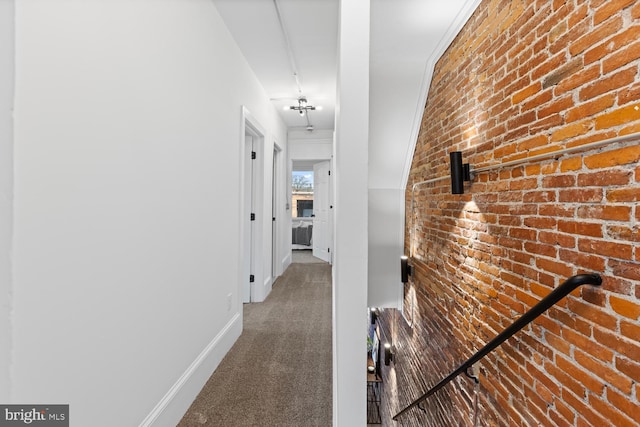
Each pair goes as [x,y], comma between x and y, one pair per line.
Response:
[328,250]
[253,217]
[252,278]
[273,219]
[329,172]
[253,155]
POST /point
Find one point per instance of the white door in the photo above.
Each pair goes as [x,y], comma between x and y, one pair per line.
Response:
[248,259]
[320,234]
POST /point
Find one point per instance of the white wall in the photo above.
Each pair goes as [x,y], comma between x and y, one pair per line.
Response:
[127,199]
[351,217]
[386,238]
[316,145]
[6,189]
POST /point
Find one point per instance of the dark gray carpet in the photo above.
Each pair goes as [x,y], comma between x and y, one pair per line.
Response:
[305,257]
[279,371]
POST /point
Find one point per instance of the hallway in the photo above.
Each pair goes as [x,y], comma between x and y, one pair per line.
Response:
[279,372]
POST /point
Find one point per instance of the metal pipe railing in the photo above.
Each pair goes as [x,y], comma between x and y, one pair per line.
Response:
[556,295]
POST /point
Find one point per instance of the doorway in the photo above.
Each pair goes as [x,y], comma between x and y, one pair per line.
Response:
[312,208]
[252,215]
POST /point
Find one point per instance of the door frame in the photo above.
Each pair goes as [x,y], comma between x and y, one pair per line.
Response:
[330,218]
[251,232]
[276,211]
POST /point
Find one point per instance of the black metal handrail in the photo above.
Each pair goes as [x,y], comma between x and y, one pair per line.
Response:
[556,295]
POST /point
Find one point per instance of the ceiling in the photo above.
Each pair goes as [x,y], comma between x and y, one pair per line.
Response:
[311,28]
[282,37]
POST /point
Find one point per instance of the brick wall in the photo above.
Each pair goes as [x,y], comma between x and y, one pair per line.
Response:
[521,79]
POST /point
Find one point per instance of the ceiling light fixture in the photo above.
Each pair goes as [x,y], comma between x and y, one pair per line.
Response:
[302,106]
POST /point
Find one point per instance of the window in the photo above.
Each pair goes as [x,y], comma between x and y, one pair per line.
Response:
[302,194]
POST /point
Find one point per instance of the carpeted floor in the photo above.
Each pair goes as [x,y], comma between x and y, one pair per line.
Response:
[279,371]
[305,257]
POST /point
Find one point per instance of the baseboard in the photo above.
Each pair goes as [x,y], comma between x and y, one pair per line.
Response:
[266,288]
[172,407]
[286,261]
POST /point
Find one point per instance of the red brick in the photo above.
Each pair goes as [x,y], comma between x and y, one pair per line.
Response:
[629,129]
[539,249]
[616,343]
[558,105]
[612,44]
[621,58]
[600,33]
[624,404]
[609,83]
[544,125]
[525,93]
[593,296]
[587,345]
[609,249]
[583,409]
[610,8]
[625,307]
[605,212]
[540,222]
[615,417]
[559,239]
[583,228]
[565,379]
[557,181]
[630,330]
[535,224]
[618,157]
[618,117]
[538,100]
[579,14]
[572,164]
[588,262]
[592,313]
[588,74]
[566,412]
[617,285]
[631,368]
[558,30]
[580,195]
[604,372]
[621,232]
[572,130]
[635,11]
[605,178]
[558,268]
[591,108]
[623,195]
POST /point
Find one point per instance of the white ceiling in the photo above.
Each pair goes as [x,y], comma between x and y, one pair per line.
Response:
[407,37]
[312,30]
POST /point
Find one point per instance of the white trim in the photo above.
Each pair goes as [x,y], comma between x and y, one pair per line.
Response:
[174,404]
[250,125]
[286,261]
[456,26]
[266,287]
